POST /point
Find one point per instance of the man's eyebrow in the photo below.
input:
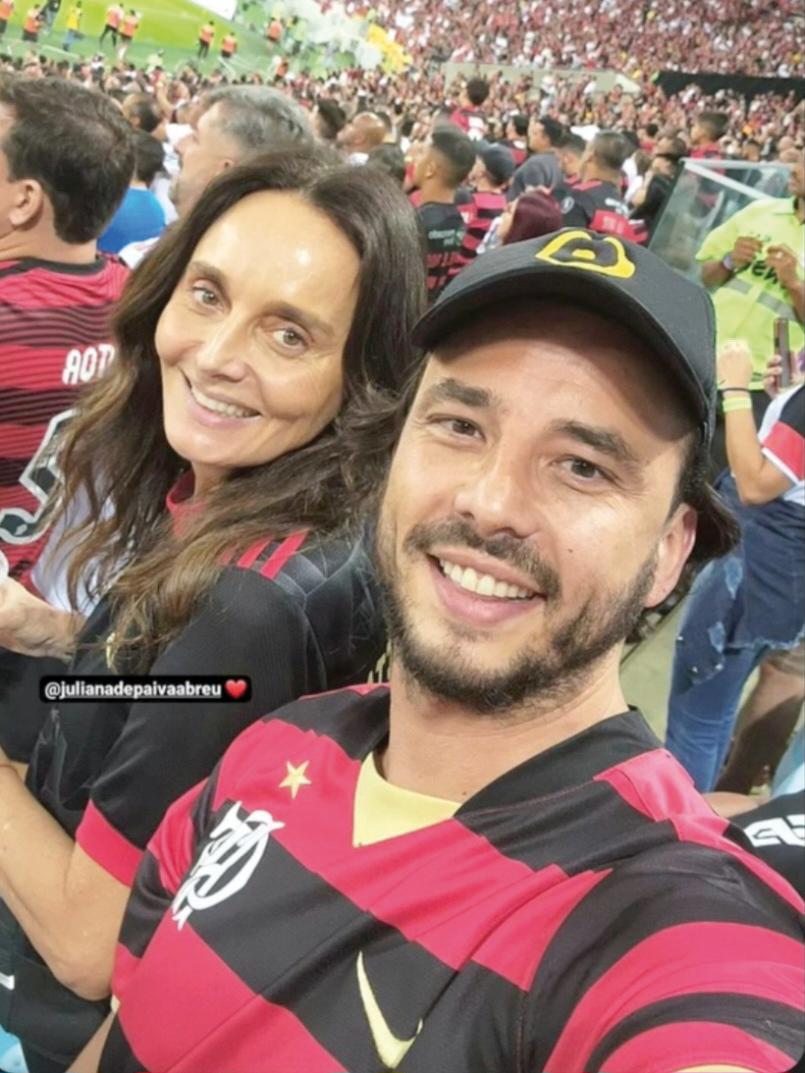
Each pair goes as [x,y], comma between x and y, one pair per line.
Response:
[603,440]
[309,321]
[451,390]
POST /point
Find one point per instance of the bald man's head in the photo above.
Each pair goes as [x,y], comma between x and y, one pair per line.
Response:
[363,133]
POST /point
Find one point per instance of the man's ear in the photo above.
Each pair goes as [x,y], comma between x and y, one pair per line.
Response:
[673,552]
[27,205]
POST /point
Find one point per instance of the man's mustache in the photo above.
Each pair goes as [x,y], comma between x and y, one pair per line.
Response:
[507,549]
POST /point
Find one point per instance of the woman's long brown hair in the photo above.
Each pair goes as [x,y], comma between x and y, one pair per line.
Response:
[117,457]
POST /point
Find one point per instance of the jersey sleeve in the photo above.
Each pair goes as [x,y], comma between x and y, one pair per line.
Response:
[247,627]
[784,444]
[691,971]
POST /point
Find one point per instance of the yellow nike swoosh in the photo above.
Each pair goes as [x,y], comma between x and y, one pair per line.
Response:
[391,1049]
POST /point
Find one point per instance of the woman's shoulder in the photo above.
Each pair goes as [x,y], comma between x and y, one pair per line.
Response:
[306,567]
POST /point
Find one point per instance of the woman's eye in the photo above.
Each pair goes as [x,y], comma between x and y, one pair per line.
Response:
[205,296]
[289,338]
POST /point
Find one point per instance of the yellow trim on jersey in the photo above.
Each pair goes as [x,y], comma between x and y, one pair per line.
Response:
[716,1069]
[385,811]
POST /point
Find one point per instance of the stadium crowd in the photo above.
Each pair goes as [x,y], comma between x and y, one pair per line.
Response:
[363,398]
[639,38]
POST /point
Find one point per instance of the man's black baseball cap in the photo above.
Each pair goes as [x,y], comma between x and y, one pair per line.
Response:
[615,278]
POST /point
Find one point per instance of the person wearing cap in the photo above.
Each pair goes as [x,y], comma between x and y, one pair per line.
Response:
[489,863]
[493,169]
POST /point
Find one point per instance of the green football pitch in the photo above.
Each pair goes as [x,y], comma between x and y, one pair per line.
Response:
[170,25]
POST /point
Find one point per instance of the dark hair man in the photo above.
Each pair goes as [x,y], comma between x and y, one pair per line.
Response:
[649,200]
[328,120]
[571,154]
[500,868]
[65,162]
[443,165]
[597,200]
[705,133]
[140,215]
[233,125]
[542,167]
[516,135]
[468,116]
[142,111]
[390,159]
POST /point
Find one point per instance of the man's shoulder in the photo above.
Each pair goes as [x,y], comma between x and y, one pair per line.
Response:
[352,721]
[50,283]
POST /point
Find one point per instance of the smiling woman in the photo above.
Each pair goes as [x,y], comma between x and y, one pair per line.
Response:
[225,459]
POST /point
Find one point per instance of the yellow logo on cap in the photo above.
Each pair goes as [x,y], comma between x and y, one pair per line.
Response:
[576,249]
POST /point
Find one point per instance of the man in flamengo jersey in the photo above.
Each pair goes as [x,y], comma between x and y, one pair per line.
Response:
[56,293]
[597,200]
[490,864]
[56,299]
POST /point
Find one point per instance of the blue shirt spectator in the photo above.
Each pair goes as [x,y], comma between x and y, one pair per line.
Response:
[140,215]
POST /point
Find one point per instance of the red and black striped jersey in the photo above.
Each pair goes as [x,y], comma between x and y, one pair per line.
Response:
[54,338]
[444,231]
[485,207]
[586,911]
[296,616]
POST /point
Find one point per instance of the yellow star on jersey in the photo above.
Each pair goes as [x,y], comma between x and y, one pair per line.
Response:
[295,779]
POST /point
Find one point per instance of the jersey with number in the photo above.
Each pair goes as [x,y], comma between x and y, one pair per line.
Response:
[296,616]
[583,912]
[54,338]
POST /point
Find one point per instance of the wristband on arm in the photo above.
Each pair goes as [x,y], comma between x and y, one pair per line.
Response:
[731,405]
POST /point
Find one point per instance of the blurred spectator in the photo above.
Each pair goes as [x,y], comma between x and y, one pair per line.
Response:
[233,124]
[140,215]
[753,263]
[517,137]
[597,200]
[493,168]
[530,216]
[706,133]
[328,120]
[752,602]
[468,116]
[542,168]
[390,159]
[439,171]
[572,148]
[649,200]
[360,136]
[65,162]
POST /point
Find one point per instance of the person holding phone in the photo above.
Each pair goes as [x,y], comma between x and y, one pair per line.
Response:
[751,603]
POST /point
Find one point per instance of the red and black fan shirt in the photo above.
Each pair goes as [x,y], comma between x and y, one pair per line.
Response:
[296,616]
[444,233]
[597,205]
[583,912]
[484,209]
[54,338]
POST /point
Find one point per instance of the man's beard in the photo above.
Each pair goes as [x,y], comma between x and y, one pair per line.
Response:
[552,673]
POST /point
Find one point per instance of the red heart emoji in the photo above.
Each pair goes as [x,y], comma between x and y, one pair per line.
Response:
[235,687]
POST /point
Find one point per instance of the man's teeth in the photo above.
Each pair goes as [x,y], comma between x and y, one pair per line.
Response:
[482,584]
[217,407]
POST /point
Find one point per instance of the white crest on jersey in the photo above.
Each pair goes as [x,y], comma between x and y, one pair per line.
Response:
[234,849]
